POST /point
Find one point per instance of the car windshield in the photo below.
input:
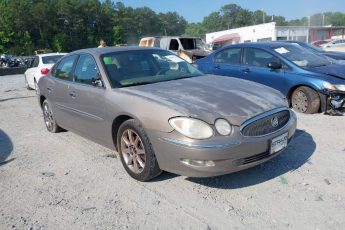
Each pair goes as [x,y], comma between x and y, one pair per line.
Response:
[200,44]
[192,43]
[51,59]
[138,67]
[301,56]
[311,47]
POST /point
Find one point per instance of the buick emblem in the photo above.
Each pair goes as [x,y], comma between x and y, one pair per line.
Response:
[274,122]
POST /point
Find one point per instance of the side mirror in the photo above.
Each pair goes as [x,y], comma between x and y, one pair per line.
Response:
[274,65]
[97,82]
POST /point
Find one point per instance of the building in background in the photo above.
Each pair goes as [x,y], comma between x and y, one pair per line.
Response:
[271,32]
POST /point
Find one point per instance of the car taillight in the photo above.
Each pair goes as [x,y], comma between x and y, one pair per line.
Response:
[44,71]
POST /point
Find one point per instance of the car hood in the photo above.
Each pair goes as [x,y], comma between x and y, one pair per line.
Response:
[210,97]
[334,70]
[335,55]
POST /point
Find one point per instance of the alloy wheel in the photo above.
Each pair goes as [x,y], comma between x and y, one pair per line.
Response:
[133,151]
[48,117]
[300,101]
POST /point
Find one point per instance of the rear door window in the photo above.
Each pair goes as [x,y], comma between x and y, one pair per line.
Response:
[35,62]
[173,45]
[229,56]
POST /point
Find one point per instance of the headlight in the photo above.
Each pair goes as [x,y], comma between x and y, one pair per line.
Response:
[329,86]
[333,87]
[340,87]
[191,127]
[223,127]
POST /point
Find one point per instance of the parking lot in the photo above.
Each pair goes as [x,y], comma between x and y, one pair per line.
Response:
[63,181]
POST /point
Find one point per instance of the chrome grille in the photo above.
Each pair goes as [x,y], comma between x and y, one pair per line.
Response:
[262,125]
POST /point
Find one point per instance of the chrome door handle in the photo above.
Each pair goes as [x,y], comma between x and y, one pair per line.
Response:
[73,94]
[216,67]
[49,89]
[246,70]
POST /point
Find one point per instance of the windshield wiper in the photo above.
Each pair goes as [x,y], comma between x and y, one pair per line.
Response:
[137,83]
[319,65]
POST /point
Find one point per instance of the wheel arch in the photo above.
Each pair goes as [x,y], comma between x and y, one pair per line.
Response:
[42,99]
[116,125]
[292,89]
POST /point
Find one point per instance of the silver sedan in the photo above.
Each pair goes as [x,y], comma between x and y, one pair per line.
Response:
[160,113]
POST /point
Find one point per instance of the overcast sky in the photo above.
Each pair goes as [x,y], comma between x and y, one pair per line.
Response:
[196,10]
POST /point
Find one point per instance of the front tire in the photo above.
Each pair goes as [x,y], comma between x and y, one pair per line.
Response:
[136,151]
[305,100]
[49,119]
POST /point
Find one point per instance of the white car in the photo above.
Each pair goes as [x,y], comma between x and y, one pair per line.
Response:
[334,45]
[40,67]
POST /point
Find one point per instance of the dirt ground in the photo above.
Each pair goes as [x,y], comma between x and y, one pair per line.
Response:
[63,181]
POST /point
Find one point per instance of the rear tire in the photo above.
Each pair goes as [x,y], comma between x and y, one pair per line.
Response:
[136,151]
[49,118]
[36,86]
[27,84]
[305,100]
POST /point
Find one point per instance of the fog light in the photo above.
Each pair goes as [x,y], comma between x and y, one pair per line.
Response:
[337,102]
[199,163]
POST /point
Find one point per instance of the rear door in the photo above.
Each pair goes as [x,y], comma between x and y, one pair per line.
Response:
[227,62]
[58,91]
[86,99]
[254,68]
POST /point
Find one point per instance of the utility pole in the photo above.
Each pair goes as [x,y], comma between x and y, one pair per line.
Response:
[263,16]
[323,19]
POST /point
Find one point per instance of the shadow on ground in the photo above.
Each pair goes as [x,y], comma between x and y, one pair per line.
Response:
[14,98]
[6,148]
[297,154]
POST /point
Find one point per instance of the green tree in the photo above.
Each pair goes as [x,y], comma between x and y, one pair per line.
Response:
[213,22]
[172,23]
[195,29]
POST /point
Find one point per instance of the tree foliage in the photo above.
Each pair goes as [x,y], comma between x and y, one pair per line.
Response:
[233,16]
[67,25]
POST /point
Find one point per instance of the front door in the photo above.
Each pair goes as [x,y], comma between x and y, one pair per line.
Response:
[254,68]
[87,99]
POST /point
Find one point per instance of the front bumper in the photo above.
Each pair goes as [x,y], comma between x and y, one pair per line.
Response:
[229,154]
[332,101]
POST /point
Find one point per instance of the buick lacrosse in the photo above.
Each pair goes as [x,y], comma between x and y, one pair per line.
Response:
[162,114]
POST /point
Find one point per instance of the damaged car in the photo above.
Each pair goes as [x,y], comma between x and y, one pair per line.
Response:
[311,82]
[188,48]
[162,114]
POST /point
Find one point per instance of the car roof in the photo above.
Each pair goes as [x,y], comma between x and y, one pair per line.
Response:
[105,50]
[290,41]
[50,54]
[265,45]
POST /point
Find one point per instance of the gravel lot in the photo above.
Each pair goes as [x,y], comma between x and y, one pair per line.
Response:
[63,181]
